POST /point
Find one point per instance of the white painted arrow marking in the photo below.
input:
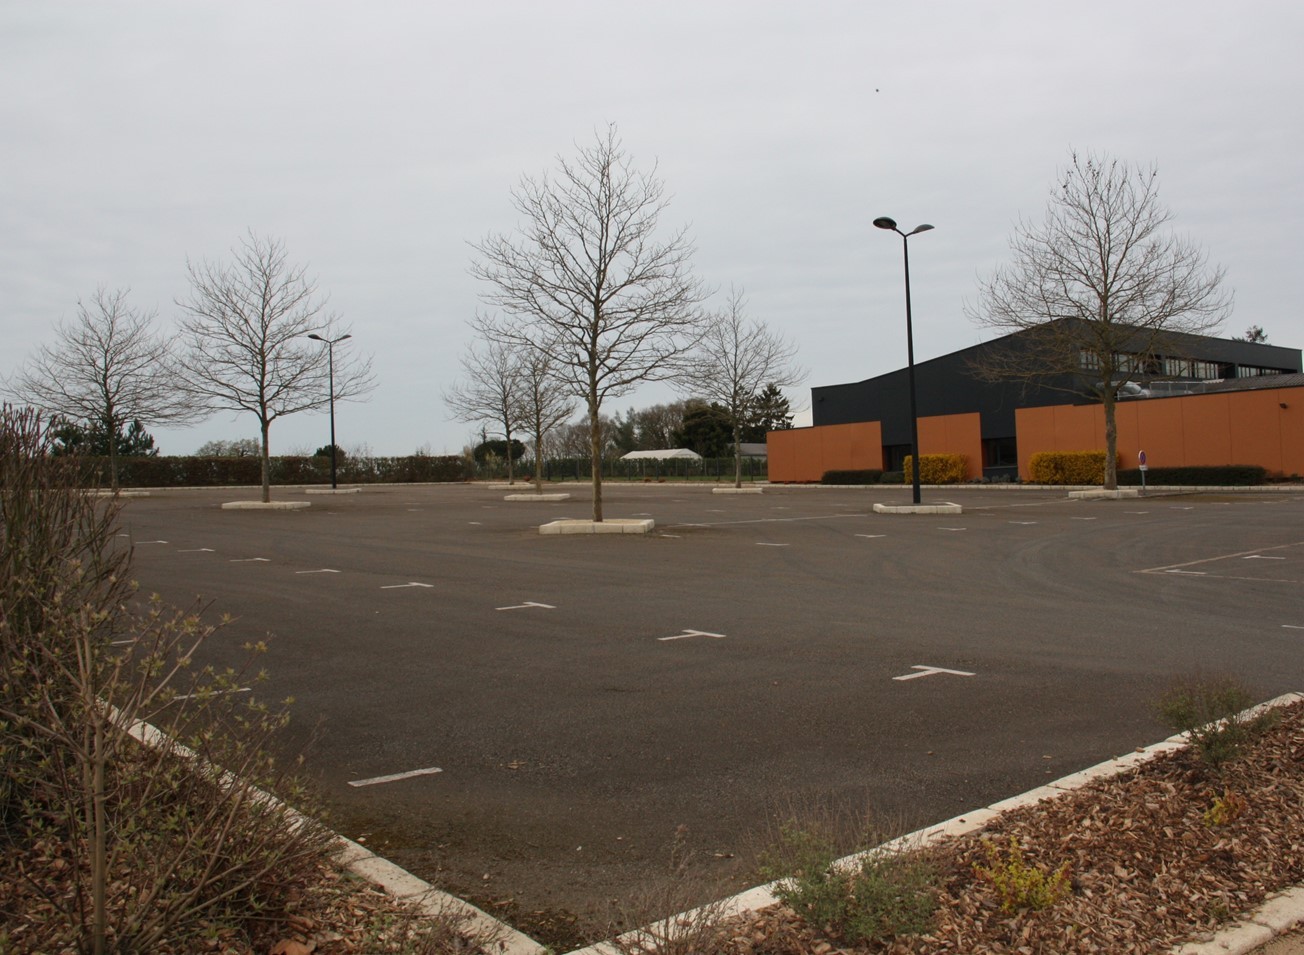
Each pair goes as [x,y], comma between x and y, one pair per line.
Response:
[324,570]
[395,777]
[249,560]
[412,583]
[528,604]
[693,633]
[931,671]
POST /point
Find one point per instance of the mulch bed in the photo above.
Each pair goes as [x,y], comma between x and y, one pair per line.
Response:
[1149,869]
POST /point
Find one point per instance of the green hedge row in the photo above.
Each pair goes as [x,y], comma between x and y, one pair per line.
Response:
[866,476]
[223,472]
[1209,476]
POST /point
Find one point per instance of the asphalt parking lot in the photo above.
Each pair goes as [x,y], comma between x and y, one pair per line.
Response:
[583,697]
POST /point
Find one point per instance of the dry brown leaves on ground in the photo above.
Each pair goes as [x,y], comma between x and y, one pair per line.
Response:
[1160,855]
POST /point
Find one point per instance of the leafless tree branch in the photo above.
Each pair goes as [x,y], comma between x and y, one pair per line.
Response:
[1098,289]
[587,283]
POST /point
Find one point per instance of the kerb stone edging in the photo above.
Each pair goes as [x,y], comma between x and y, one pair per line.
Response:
[365,864]
[1279,914]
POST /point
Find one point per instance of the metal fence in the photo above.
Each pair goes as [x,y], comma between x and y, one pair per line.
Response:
[579,469]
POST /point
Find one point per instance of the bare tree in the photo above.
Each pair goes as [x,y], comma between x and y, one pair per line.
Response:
[737,358]
[544,404]
[491,390]
[590,286]
[1099,292]
[108,368]
[246,325]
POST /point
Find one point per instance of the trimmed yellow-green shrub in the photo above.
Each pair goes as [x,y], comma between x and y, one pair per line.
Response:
[937,468]
[1067,467]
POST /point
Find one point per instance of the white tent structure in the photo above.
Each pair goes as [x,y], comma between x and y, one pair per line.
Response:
[670,454]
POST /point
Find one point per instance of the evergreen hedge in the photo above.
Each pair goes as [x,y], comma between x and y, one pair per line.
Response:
[865,476]
[1226,475]
[193,471]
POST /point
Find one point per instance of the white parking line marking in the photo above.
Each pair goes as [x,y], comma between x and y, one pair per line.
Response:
[1136,512]
[474,523]
[931,671]
[527,605]
[249,560]
[871,535]
[151,542]
[1082,518]
[412,583]
[1291,626]
[1023,523]
[693,633]
[324,570]
[1189,573]
[1171,568]
[1261,557]
[952,528]
[1178,507]
[395,777]
[672,536]
[196,550]
[768,544]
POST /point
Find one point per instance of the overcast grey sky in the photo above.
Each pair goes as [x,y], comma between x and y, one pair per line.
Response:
[377,140]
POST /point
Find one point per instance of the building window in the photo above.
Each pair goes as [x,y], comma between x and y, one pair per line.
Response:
[1089,360]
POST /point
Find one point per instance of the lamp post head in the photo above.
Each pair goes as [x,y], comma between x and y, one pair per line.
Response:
[883,222]
[316,336]
[920,228]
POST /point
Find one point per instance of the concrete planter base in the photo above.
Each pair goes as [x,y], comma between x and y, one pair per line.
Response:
[1100,493]
[270,506]
[537,497]
[620,525]
[735,490]
[332,490]
[942,507]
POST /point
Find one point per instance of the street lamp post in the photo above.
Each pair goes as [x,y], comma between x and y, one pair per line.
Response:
[890,224]
[330,365]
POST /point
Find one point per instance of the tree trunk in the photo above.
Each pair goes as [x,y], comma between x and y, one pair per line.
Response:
[595,452]
[267,465]
[1111,444]
[738,456]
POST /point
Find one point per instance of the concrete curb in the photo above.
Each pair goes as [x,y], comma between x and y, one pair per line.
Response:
[266,506]
[365,864]
[332,490]
[537,497]
[735,490]
[1276,916]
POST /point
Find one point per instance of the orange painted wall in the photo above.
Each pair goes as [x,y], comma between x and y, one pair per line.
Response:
[802,455]
[954,434]
[1234,427]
